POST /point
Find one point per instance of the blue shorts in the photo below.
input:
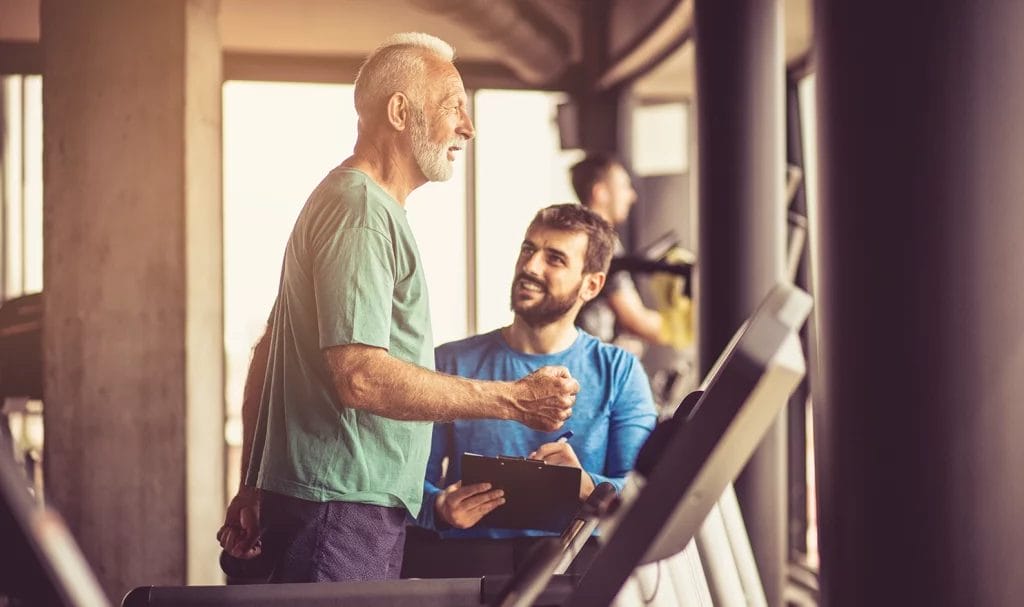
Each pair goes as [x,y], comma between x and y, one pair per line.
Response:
[331,541]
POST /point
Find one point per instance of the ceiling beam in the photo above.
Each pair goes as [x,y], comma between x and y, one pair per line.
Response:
[665,34]
[342,69]
[21,58]
[535,49]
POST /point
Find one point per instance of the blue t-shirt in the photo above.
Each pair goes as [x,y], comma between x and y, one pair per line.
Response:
[613,415]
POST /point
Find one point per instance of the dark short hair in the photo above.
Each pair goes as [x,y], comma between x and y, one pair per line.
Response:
[572,217]
[589,171]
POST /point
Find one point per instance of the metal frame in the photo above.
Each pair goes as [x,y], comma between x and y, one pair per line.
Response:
[708,449]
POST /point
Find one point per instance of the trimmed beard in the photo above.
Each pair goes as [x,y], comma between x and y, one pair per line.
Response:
[546,311]
[432,158]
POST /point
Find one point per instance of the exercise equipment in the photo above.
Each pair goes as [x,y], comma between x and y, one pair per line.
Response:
[684,469]
[693,461]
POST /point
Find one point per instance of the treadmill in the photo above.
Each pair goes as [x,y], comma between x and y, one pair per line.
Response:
[704,451]
[695,457]
[689,462]
[42,562]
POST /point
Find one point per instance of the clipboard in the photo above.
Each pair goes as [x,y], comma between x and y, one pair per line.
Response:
[537,495]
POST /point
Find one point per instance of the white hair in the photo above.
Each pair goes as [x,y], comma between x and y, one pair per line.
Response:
[397,65]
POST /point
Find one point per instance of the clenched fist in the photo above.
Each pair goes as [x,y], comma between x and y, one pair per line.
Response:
[240,534]
[544,398]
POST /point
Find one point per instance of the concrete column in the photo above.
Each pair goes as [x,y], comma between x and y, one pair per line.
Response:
[921,302]
[741,223]
[133,329]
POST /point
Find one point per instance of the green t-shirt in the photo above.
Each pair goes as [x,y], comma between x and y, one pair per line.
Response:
[352,275]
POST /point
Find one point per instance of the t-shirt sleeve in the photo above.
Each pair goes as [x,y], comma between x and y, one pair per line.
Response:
[632,418]
[618,281]
[354,282]
[444,359]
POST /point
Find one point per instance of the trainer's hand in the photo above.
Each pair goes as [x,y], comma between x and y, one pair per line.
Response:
[462,507]
[544,398]
[561,453]
[240,534]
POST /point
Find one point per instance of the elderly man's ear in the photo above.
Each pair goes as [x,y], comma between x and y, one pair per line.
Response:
[398,111]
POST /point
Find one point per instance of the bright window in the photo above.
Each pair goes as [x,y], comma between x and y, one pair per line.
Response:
[273,159]
[519,170]
[437,214]
[21,174]
[660,143]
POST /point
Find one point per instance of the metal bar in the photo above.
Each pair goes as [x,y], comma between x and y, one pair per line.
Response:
[471,227]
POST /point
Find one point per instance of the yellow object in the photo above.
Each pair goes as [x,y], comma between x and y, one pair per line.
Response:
[675,308]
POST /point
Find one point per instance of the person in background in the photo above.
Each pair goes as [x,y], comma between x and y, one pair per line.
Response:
[341,388]
[562,265]
[603,185]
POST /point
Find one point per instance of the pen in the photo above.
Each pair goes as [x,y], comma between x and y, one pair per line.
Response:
[562,438]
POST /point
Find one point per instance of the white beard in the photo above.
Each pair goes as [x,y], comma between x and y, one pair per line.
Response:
[432,158]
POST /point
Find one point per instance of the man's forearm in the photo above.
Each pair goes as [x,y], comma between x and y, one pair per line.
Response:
[251,396]
[634,317]
[371,379]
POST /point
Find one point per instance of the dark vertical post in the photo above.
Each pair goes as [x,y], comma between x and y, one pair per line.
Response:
[741,223]
[598,115]
[921,302]
[796,414]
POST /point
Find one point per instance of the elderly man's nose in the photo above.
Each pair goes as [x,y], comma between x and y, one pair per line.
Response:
[466,126]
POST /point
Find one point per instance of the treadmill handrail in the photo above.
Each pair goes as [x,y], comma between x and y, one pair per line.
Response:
[552,557]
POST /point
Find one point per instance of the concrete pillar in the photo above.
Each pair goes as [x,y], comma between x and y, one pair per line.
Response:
[741,223]
[133,329]
[921,302]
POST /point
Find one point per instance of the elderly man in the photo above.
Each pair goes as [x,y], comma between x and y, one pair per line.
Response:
[562,265]
[343,382]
